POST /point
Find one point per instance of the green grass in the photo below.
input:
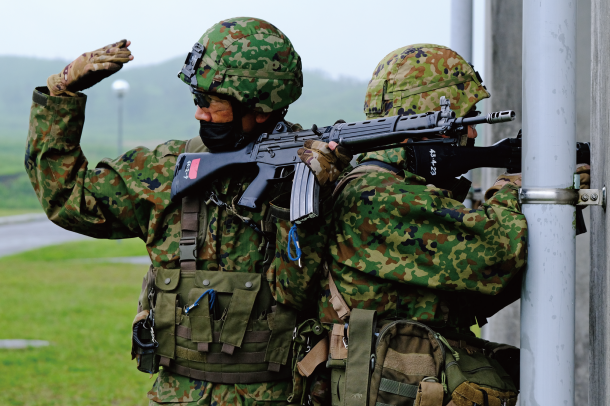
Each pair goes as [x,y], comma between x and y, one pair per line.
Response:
[15,212]
[85,310]
[84,250]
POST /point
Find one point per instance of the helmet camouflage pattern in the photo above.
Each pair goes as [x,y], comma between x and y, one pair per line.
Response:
[248,59]
[412,79]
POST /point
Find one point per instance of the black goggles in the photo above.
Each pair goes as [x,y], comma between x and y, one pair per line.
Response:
[204,100]
[200,99]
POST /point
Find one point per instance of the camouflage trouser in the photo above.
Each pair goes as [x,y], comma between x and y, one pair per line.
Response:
[177,390]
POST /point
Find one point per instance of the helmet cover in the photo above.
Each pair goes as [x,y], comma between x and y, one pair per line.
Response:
[412,79]
[248,59]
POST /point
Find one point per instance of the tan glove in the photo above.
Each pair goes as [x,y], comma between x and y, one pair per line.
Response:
[89,69]
[584,171]
[512,178]
[326,161]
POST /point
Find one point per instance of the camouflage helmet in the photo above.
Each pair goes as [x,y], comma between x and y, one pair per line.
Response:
[412,79]
[248,59]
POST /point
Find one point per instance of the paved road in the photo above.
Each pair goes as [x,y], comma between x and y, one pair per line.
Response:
[17,236]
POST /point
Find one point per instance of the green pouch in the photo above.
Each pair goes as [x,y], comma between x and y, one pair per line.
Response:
[166,283]
[478,376]
[201,323]
[402,356]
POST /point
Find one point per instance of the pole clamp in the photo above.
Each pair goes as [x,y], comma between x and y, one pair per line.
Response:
[572,197]
[548,196]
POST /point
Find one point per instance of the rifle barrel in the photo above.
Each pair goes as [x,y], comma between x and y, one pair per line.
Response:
[491,118]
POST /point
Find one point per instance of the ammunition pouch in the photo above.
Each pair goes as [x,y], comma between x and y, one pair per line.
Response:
[404,362]
[241,339]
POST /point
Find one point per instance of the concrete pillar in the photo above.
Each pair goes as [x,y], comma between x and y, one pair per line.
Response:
[599,365]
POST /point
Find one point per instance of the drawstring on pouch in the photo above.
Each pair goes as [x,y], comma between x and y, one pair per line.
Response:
[212,299]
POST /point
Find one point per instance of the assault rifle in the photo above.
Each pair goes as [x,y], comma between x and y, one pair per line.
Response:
[274,156]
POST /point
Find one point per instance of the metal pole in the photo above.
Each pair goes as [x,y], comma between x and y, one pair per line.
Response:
[461,28]
[461,42]
[120,139]
[549,136]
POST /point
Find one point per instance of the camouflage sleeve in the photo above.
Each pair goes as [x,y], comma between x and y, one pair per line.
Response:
[105,202]
[409,232]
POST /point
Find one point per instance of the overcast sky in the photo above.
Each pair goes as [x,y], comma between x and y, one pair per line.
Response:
[342,38]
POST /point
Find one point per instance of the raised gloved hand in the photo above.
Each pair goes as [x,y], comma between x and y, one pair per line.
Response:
[584,171]
[512,178]
[326,161]
[89,69]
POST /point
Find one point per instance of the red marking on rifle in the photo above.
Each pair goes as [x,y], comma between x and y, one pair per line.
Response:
[194,167]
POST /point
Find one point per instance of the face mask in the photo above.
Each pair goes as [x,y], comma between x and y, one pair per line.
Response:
[221,136]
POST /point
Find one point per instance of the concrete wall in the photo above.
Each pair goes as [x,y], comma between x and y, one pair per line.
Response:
[600,128]
[503,78]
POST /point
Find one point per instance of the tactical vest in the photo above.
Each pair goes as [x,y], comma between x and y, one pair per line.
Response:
[245,337]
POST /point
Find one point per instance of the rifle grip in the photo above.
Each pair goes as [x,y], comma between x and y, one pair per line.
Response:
[252,199]
[304,197]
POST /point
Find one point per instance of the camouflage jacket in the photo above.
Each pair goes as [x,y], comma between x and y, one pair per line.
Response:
[408,250]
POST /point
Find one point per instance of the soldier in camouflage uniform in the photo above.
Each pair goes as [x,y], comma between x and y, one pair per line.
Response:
[243,83]
[402,246]
[406,249]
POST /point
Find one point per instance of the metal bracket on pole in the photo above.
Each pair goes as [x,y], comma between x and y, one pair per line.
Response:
[592,197]
[572,197]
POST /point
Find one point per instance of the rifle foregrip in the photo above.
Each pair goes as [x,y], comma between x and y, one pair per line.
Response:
[304,197]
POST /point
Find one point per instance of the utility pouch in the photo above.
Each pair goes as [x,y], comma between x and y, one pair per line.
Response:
[475,372]
[412,364]
[166,282]
[408,367]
